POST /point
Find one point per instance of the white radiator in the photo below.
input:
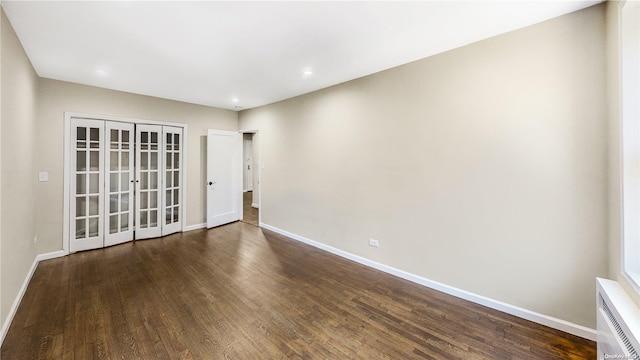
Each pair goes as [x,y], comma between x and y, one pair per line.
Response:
[618,322]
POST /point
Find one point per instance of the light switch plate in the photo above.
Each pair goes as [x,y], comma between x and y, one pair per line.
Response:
[43,176]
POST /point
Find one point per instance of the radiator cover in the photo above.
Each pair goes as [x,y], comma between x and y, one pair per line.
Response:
[618,322]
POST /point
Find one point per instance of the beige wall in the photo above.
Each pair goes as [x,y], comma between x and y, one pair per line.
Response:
[18,143]
[483,168]
[56,97]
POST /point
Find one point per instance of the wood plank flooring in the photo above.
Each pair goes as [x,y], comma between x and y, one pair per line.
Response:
[249,213]
[241,292]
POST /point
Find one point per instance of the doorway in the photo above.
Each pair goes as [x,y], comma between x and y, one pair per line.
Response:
[250,179]
[121,177]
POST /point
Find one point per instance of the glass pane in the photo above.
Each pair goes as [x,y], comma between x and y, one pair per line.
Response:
[176,178]
[176,141]
[153,199]
[125,146]
[153,180]
[153,218]
[176,212]
[125,136]
[143,219]
[94,134]
[113,224]
[113,203]
[93,227]
[144,202]
[124,181]
[144,182]
[93,205]
[93,183]
[124,202]
[168,180]
[81,133]
[144,161]
[94,145]
[94,161]
[124,222]
[154,161]
[167,216]
[124,165]
[144,137]
[176,197]
[81,161]
[81,185]
[81,228]
[168,198]
[153,147]
[169,139]
[154,137]
[113,182]
[176,160]
[81,206]
[81,144]
[114,138]
[114,161]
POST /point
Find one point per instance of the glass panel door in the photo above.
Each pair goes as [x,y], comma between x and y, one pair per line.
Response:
[87,179]
[172,169]
[119,182]
[148,181]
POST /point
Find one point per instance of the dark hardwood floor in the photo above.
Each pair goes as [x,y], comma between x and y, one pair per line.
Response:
[241,292]
[250,214]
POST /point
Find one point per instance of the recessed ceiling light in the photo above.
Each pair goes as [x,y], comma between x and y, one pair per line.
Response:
[307,72]
[235,100]
[102,72]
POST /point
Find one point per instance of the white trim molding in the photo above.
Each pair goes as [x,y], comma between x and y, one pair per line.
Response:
[546,320]
[23,289]
[255,206]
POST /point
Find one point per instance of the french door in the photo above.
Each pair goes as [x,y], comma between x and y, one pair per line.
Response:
[124,177]
[149,158]
[119,183]
[87,195]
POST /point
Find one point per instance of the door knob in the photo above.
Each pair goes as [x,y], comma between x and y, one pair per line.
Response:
[211,182]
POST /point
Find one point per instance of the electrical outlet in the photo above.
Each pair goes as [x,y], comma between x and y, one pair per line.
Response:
[43,176]
[374,243]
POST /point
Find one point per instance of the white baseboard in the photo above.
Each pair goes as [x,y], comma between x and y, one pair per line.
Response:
[546,320]
[195,227]
[51,255]
[255,206]
[23,289]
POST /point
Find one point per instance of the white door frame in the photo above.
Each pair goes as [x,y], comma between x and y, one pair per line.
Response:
[68,115]
[257,172]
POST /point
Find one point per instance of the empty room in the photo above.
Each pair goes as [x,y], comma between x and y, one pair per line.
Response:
[320,180]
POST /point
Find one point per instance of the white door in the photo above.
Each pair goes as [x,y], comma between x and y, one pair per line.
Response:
[86,185]
[148,186]
[119,182]
[224,197]
[172,169]
[248,165]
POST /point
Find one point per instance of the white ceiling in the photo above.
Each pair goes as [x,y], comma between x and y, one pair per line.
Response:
[256,52]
